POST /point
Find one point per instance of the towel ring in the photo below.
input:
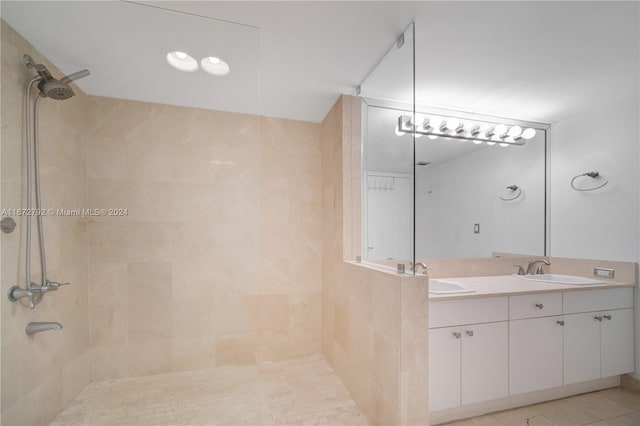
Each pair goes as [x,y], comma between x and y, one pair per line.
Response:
[593,175]
[513,189]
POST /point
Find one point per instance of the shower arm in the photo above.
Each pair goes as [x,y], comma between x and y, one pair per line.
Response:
[75,76]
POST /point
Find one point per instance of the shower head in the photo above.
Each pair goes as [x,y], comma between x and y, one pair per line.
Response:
[51,87]
[55,89]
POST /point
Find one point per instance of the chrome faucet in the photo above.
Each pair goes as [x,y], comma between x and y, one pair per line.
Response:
[520,269]
[421,264]
[37,327]
[33,293]
[533,269]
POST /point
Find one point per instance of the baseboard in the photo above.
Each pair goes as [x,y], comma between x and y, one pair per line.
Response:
[515,401]
[630,383]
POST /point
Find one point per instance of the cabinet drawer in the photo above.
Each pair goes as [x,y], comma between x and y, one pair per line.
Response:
[597,300]
[468,311]
[535,305]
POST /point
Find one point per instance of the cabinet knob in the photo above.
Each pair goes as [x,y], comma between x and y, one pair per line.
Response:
[561,322]
[608,317]
[599,317]
[470,333]
[539,305]
[457,335]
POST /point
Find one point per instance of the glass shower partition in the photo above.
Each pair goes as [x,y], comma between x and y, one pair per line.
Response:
[388,158]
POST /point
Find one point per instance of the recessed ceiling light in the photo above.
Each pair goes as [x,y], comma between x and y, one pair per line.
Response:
[181,61]
[215,66]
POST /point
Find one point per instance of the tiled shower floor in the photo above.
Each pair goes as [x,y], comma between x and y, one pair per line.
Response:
[300,392]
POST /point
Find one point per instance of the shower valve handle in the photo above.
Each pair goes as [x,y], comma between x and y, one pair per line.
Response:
[16,292]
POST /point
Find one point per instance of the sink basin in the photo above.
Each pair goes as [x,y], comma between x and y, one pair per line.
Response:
[559,279]
[447,287]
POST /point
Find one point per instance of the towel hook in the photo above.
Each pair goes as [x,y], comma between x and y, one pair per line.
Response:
[593,175]
[513,189]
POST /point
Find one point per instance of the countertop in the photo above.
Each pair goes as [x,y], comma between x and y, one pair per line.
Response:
[506,285]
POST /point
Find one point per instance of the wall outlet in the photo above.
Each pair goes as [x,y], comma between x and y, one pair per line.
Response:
[476,228]
[604,273]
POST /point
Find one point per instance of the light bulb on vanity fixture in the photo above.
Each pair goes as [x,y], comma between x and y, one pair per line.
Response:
[435,122]
[455,126]
[529,133]
[515,131]
[501,131]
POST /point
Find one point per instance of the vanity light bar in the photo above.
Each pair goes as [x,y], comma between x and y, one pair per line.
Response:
[479,132]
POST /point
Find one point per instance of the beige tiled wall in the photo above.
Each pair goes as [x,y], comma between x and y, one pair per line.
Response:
[374,323]
[219,259]
[42,373]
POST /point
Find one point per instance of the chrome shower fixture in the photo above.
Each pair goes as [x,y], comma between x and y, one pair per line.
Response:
[435,126]
[51,87]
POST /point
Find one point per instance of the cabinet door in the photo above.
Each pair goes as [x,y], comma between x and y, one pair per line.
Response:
[617,342]
[485,371]
[444,368]
[581,347]
[535,354]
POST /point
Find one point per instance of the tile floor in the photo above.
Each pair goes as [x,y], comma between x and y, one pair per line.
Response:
[611,407]
[300,392]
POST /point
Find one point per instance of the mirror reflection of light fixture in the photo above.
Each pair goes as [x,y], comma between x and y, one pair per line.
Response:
[435,126]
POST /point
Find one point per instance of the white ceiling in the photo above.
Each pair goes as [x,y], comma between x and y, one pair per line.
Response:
[538,61]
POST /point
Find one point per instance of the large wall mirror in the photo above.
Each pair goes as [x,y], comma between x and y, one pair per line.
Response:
[480,184]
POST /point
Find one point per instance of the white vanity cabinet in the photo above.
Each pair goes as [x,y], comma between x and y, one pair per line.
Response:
[535,354]
[581,348]
[468,349]
[444,367]
[485,371]
[616,343]
[598,334]
[535,342]
[488,348]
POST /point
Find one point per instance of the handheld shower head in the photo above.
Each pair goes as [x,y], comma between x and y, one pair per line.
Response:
[51,87]
[55,89]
